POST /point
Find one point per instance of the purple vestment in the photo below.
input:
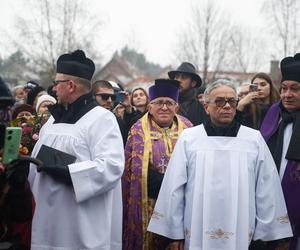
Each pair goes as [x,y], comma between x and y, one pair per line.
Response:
[291,178]
[138,156]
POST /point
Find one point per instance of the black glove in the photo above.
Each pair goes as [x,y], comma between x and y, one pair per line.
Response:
[59,173]
[16,173]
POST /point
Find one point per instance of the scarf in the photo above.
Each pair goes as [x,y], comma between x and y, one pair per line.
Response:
[231,130]
[74,111]
[276,140]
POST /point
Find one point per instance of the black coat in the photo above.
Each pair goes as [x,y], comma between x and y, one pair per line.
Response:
[191,108]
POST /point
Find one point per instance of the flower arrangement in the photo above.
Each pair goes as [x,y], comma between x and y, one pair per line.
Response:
[31,126]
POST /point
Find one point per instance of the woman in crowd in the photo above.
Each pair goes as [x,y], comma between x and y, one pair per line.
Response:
[139,101]
[43,102]
[261,95]
[23,110]
[133,107]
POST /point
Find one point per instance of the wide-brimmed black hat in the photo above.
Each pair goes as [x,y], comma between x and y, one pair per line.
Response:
[290,68]
[186,68]
[76,64]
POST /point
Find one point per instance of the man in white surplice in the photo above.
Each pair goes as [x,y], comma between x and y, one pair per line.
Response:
[78,205]
[221,188]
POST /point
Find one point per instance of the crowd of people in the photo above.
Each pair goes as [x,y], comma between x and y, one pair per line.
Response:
[177,166]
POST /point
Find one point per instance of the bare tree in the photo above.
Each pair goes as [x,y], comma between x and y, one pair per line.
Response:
[203,41]
[53,28]
[284,16]
[246,49]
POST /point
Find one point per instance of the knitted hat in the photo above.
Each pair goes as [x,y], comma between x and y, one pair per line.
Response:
[44,98]
[30,85]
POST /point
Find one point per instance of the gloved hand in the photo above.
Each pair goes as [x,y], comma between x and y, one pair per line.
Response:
[16,173]
[59,173]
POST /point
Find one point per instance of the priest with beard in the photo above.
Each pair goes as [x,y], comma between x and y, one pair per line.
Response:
[221,188]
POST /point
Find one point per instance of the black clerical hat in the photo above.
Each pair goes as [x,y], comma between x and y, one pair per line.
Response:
[186,68]
[290,68]
[76,64]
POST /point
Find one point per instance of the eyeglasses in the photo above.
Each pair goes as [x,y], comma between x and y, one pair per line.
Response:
[221,102]
[106,96]
[56,82]
[161,103]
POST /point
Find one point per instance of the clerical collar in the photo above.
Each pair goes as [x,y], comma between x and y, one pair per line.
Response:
[74,111]
[230,130]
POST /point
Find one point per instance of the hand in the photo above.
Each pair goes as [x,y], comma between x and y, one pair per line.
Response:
[176,245]
[126,101]
[246,100]
[119,111]
[1,167]
[59,173]
[16,173]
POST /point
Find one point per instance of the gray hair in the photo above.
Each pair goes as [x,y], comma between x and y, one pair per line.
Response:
[217,84]
[15,89]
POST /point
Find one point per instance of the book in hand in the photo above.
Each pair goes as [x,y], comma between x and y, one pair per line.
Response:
[51,157]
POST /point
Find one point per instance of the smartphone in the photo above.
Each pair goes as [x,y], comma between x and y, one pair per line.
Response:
[12,141]
[120,97]
[253,88]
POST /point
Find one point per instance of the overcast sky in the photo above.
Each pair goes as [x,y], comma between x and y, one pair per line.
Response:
[151,26]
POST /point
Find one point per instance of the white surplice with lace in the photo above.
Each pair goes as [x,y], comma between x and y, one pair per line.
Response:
[220,192]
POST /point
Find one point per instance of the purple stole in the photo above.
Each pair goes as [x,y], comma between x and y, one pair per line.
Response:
[291,178]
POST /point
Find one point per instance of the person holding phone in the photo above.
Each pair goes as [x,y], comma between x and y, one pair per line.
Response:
[261,95]
[136,106]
